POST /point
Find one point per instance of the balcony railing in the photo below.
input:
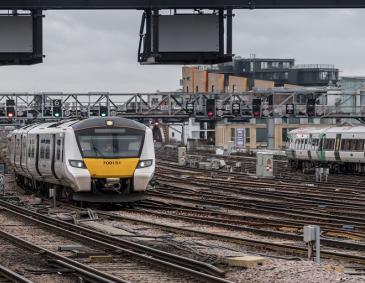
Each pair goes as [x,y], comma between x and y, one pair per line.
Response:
[314,66]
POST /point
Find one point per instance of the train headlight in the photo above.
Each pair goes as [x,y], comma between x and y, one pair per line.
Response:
[145,163]
[77,164]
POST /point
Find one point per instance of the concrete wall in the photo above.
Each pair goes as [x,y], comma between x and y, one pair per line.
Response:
[200,81]
[188,79]
[264,84]
[215,83]
[237,84]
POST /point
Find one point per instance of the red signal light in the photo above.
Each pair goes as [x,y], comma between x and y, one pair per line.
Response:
[10,115]
[210,114]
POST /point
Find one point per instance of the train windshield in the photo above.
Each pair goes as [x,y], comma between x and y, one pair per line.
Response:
[110,142]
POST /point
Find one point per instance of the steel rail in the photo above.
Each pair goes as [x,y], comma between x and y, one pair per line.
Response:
[179,263]
[240,178]
[256,221]
[294,199]
[13,276]
[254,242]
[90,273]
[255,208]
[263,232]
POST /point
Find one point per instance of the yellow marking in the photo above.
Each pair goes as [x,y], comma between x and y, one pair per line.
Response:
[111,168]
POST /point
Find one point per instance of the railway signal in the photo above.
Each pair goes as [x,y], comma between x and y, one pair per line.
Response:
[290,109]
[10,108]
[210,108]
[57,108]
[236,108]
[189,108]
[256,108]
[103,111]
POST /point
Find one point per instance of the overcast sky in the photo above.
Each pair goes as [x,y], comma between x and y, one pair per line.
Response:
[97,50]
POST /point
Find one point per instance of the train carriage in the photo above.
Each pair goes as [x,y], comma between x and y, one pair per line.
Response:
[342,149]
[94,160]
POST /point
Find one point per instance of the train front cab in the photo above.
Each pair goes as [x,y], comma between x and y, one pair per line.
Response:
[115,164]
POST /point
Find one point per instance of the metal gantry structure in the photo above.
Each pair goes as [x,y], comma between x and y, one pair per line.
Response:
[158,32]
[174,107]
[178,4]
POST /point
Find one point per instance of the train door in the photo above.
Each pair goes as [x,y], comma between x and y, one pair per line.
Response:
[17,151]
[58,156]
[31,166]
[337,147]
[23,161]
[44,162]
[310,146]
[320,151]
[58,160]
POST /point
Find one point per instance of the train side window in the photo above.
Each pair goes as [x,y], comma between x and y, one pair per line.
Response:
[343,143]
[329,144]
[360,145]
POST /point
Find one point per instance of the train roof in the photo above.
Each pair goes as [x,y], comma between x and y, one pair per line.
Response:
[332,130]
[54,127]
[102,122]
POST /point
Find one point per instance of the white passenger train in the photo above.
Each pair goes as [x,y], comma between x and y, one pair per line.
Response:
[94,160]
[339,148]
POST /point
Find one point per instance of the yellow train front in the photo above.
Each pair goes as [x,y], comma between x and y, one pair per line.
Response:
[104,160]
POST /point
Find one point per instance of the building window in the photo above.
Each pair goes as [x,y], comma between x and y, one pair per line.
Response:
[187,89]
[247,135]
[286,75]
[212,88]
[261,135]
[264,65]
[323,76]
[286,65]
[275,64]
[233,134]
[233,88]
[294,120]
[173,134]
[252,66]
[301,99]
[196,88]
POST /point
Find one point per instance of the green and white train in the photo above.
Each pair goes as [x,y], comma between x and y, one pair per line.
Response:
[339,148]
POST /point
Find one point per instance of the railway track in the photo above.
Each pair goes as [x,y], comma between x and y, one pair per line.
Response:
[133,260]
[248,166]
[284,192]
[289,211]
[260,244]
[8,276]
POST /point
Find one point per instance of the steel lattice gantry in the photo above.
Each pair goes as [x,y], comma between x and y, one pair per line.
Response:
[171,107]
[178,4]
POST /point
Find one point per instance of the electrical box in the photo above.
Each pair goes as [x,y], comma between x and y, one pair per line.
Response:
[265,165]
[181,151]
[309,233]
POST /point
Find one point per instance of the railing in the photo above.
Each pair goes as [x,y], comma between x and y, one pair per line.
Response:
[314,66]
